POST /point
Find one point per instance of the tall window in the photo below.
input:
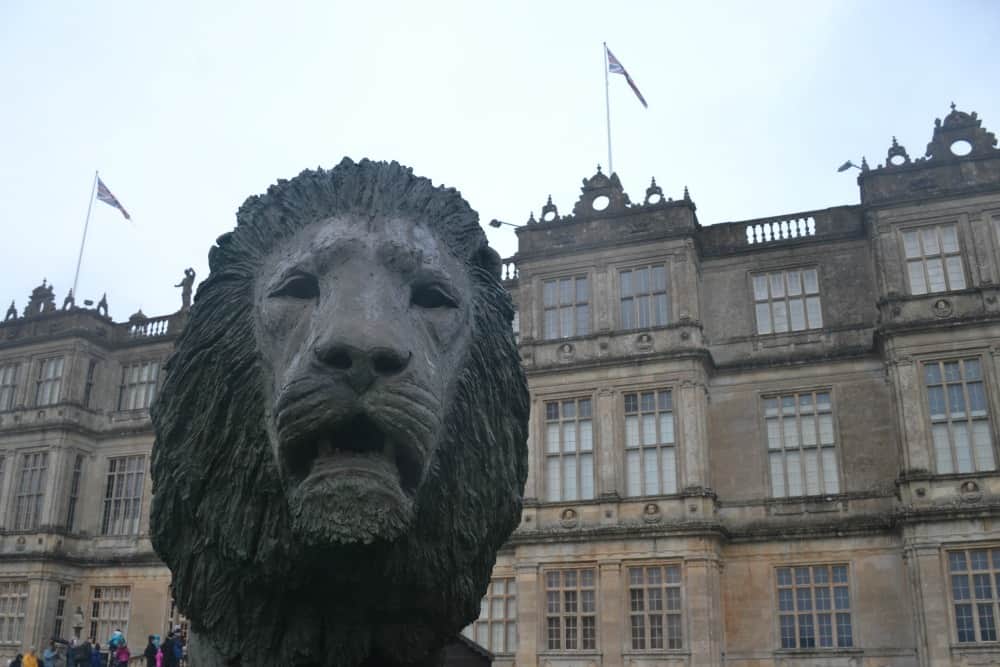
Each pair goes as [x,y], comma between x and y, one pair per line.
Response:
[650,455]
[933,259]
[30,491]
[975,592]
[814,607]
[496,629]
[13,601]
[57,627]
[960,424]
[49,381]
[567,307]
[801,444]
[74,491]
[644,297]
[88,387]
[8,386]
[787,301]
[123,496]
[654,593]
[571,610]
[138,386]
[569,450]
[109,610]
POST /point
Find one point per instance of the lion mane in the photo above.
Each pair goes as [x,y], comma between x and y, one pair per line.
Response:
[219,517]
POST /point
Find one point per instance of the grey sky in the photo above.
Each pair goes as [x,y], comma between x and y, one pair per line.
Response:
[187,108]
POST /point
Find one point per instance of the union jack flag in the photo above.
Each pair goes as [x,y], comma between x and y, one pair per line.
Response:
[616,67]
[105,196]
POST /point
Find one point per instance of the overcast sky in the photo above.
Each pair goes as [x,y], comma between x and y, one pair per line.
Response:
[187,108]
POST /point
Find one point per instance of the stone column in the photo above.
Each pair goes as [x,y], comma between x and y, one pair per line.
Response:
[692,436]
[531,489]
[603,304]
[905,374]
[930,603]
[609,457]
[530,611]
[703,605]
[611,615]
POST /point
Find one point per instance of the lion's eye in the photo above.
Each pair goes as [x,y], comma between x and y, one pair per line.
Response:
[431,296]
[298,286]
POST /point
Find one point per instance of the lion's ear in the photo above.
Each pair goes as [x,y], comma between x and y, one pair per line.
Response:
[489,259]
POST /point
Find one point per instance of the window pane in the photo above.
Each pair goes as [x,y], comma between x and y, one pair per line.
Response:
[918,284]
[763,318]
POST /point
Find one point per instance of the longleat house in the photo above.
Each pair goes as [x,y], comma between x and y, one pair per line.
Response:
[756,443]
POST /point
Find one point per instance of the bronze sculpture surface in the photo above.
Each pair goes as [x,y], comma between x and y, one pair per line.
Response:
[341,434]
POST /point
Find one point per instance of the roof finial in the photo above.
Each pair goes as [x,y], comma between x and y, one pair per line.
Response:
[652,182]
[549,202]
[687,195]
[598,167]
[953,106]
[894,142]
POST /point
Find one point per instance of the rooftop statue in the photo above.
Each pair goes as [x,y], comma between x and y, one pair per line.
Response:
[186,284]
[341,434]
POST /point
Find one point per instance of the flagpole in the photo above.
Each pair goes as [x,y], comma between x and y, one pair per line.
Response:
[607,107]
[79,259]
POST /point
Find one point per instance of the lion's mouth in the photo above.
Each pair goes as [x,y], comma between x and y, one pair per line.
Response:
[354,446]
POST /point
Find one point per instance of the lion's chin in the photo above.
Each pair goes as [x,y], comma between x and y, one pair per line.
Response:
[350,502]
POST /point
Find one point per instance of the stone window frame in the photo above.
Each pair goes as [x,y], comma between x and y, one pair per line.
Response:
[138,393]
[906,261]
[545,456]
[632,267]
[62,595]
[10,374]
[770,299]
[89,380]
[986,378]
[793,585]
[51,387]
[578,614]
[14,605]
[675,445]
[75,482]
[123,489]
[630,611]
[491,618]
[544,308]
[973,589]
[105,610]
[836,446]
[28,490]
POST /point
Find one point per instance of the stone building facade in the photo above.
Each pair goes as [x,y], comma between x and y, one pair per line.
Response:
[768,442]
[759,443]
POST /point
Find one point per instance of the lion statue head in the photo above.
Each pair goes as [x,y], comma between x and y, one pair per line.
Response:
[341,433]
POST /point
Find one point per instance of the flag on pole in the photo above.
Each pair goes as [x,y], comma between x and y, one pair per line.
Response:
[105,196]
[616,67]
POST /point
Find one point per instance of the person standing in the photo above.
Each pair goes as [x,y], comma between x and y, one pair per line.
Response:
[169,657]
[30,659]
[82,653]
[122,655]
[95,655]
[150,652]
[50,656]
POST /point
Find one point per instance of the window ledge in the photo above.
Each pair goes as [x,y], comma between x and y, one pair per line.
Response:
[976,647]
[818,652]
[649,653]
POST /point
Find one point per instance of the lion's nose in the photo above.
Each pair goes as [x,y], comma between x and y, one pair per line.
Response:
[362,366]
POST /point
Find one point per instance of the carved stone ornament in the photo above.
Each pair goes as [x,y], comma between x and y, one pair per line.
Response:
[942,308]
[341,435]
[644,342]
[958,127]
[600,195]
[897,155]
[566,352]
[569,518]
[651,513]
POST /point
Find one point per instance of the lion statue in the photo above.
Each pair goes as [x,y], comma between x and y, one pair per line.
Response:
[341,434]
